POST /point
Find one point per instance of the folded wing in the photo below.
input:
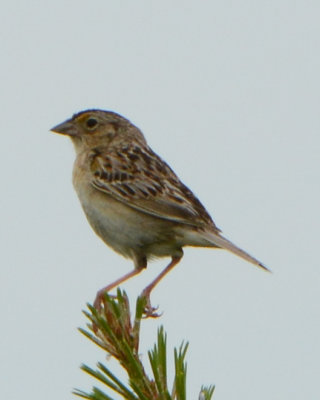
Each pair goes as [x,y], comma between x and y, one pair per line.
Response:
[140,179]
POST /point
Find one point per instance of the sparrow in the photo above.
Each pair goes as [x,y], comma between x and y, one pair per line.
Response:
[133,200]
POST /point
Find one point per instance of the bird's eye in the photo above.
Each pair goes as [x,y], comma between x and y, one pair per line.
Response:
[91,123]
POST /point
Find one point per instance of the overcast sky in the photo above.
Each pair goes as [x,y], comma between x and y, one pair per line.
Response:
[227,92]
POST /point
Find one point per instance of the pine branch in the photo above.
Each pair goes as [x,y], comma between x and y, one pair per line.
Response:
[112,330]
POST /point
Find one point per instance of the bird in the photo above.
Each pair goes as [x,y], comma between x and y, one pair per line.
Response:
[133,200]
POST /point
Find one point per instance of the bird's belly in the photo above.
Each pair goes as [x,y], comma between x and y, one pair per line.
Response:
[126,230]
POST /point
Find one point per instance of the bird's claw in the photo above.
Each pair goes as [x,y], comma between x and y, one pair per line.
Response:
[99,300]
[149,311]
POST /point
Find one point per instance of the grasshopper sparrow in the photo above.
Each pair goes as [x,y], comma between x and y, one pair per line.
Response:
[132,198]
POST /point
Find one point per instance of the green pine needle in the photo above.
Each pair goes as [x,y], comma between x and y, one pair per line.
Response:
[206,393]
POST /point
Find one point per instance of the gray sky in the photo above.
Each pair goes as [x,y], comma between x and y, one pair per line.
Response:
[228,94]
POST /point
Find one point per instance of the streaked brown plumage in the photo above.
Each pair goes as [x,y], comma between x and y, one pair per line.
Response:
[132,198]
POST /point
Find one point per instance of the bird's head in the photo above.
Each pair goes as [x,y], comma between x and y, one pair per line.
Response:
[92,128]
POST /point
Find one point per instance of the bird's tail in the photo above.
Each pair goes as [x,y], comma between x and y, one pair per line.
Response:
[217,240]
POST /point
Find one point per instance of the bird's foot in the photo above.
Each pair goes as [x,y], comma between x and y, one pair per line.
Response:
[99,300]
[100,305]
[149,311]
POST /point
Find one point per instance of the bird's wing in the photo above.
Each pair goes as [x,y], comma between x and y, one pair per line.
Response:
[137,177]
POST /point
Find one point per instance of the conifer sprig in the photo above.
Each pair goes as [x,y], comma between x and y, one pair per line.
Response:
[113,331]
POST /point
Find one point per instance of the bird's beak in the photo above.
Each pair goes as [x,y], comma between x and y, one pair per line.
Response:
[66,128]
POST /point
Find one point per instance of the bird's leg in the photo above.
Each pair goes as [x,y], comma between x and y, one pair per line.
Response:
[101,292]
[149,310]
